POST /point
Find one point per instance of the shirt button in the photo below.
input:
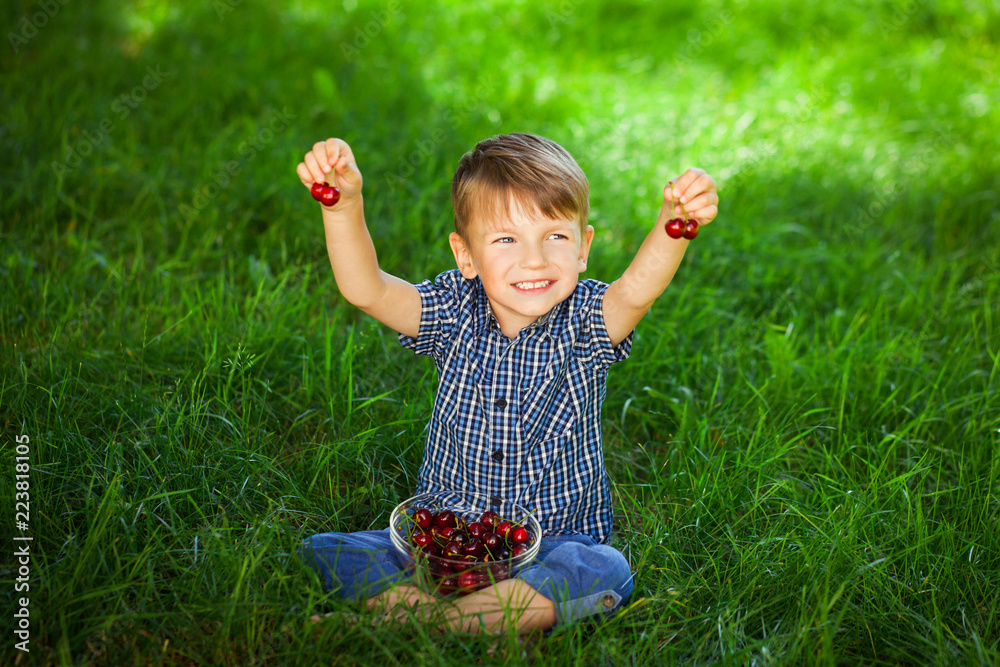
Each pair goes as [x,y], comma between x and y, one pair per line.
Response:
[498,456]
[501,403]
[496,500]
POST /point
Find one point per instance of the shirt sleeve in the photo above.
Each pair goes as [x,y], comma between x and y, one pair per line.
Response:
[593,346]
[440,303]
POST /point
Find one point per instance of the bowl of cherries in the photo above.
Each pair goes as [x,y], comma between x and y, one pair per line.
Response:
[459,542]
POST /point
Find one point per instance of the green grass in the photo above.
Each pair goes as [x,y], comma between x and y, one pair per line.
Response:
[805,447]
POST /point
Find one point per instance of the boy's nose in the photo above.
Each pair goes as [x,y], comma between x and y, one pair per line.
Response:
[533,258]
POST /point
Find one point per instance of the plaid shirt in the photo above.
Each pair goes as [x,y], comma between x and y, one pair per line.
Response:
[519,419]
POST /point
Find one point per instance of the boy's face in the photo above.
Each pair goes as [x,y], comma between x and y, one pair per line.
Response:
[527,263]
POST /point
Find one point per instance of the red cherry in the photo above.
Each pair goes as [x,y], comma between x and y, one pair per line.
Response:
[490,519]
[422,540]
[518,550]
[691,229]
[675,228]
[452,550]
[469,581]
[499,571]
[477,529]
[493,542]
[520,535]
[474,547]
[446,519]
[447,584]
[329,196]
[317,190]
[503,529]
[423,518]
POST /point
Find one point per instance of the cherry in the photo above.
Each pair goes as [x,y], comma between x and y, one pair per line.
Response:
[520,535]
[493,542]
[317,190]
[423,518]
[474,547]
[503,529]
[675,228]
[477,529]
[460,536]
[329,196]
[691,229]
[518,550]
[490,519]
[447,519]
[452,550]
[422,540]
[447,584]
[469,581]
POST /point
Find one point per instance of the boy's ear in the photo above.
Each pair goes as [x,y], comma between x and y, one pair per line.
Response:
[588,237]
[463,258]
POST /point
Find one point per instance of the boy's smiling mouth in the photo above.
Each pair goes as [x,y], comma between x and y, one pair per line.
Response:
[529,286]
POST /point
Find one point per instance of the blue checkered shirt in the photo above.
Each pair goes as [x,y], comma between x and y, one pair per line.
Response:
[520,419]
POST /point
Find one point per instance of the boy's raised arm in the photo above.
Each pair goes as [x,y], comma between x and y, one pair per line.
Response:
[629,298]
[390,300]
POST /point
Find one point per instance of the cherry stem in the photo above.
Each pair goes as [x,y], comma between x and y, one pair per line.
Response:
[683,210]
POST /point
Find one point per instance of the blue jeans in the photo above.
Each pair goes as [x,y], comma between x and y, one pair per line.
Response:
[581,577]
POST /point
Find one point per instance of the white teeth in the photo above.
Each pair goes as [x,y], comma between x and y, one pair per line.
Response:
[540,283]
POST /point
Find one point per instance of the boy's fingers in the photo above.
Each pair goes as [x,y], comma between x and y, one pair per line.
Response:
[305,175]
[330,161]
[328,154]
[705,215]
[691,183]
[670,192]
[700,183]
[678,186]
[338,150]
[315,170]
[341,161]
[701,201]
[319,150]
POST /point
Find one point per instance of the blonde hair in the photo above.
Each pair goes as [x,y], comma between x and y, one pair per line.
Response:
[538,173]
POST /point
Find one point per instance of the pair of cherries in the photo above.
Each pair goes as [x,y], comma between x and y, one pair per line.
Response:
[678,227]
[327,195]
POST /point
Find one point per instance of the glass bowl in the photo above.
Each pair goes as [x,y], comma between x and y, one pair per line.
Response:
[430,550]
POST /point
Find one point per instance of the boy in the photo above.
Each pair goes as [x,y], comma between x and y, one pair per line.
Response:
[522,348]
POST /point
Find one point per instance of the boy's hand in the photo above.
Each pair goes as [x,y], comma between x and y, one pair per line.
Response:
[333,162]
[629,298]
[390,300]
[696,192]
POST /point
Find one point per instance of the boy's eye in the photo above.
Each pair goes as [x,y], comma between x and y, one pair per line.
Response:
[505,239]
[559,236]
